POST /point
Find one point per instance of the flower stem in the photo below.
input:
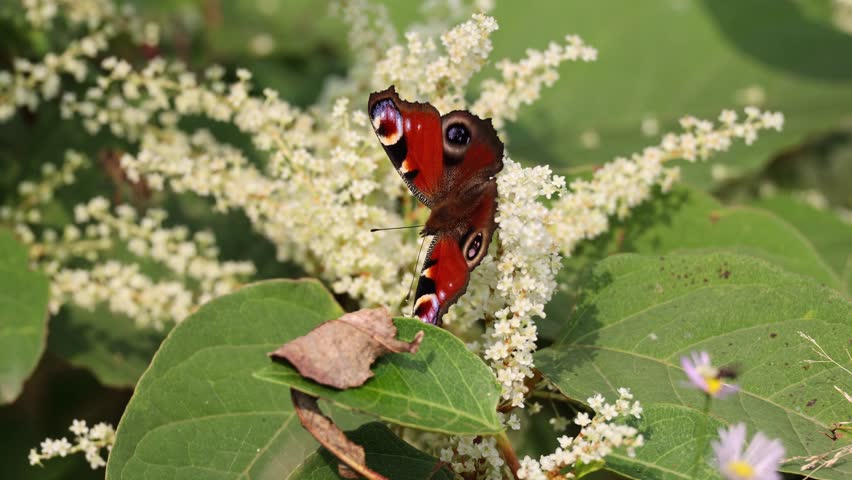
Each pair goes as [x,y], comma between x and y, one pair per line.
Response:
[701,438]
[508,453]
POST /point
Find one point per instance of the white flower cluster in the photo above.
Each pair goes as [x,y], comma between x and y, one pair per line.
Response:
[29,83]
[195,275]
[310,203]
[513,285]
[523,81]
[598,437]
[435,15]
[88,440]
[622,184]
[370,33]
[421,70]
[92,13]
[32,196]
[479,457]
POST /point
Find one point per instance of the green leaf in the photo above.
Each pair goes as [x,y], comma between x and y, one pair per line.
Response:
[198,413]
[672,435]
[23,317]
[443,387]
[110,345]
[686,218]
[831,238]
[667,59]
[584,469]
[387,454]
[639,314]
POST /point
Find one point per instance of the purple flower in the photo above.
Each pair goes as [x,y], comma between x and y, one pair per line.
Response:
[759,461]
[704,376]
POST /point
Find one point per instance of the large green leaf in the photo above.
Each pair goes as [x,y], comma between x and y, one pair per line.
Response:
[831,238]
[672,435]
[23,317]
[443,387]
[387,454]
[689,219]
[110,345]
[639,314]
[664,59]
[197,411]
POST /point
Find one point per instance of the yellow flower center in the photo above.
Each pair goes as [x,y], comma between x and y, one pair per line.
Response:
[741,469]
[713,385]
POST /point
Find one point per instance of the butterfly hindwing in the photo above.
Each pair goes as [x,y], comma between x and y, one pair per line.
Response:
[442,281]
[450,259]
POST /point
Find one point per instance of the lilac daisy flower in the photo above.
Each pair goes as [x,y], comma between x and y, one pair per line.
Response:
[704,376]
[759,461]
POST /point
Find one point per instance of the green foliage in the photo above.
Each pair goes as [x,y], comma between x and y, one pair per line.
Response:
[443,387]
[639,314]
[53,395]
[199,395]
[831,238]
[197,410]
[666,59]
[23,317]
[689,219]
[110,345]
[387,454]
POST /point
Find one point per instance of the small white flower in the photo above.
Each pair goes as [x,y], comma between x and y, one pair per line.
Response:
[79,428]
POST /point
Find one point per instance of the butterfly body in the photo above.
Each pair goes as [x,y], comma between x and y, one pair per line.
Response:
[449,163]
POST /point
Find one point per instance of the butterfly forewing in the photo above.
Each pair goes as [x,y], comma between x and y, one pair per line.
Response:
[411,136]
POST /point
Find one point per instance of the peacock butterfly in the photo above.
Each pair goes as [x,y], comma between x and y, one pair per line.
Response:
[449,163]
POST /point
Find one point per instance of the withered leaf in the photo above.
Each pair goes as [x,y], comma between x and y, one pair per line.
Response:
[339,353]
[332,438]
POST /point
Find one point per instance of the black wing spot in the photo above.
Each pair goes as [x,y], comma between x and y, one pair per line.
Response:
[397,152]
[425,286]
[458,134]
[429,262]
[409,176]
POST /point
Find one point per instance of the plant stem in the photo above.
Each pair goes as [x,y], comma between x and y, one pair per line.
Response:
[701,439]
[508,453]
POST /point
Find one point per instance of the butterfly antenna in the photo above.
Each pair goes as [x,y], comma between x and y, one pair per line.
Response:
[414,273]
[394,228]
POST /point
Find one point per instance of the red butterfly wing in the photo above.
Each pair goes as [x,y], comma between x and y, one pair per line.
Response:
[410,133]
[451,257]
[443,280]
[472,151]
[449,164]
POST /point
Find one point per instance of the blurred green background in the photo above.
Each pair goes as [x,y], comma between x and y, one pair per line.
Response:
[658,60]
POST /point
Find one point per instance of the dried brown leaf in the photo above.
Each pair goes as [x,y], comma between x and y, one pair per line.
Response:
[339,353]
[332,438]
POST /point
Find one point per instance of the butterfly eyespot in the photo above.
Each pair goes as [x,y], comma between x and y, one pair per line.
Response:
[473,247]
[458,134]
[387,122]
